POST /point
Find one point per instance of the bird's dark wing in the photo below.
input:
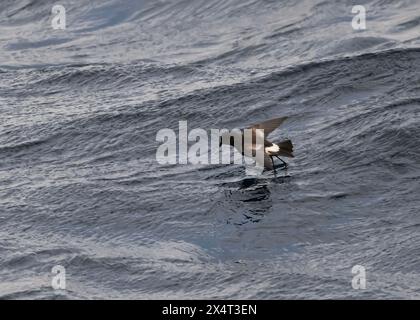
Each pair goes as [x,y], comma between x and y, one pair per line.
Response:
[269,125]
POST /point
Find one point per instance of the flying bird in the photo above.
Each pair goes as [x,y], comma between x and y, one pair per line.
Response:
[283,148]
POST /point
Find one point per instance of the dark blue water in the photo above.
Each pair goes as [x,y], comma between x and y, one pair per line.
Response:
[79,182]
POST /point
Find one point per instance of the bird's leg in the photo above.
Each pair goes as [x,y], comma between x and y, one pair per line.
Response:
[274,168]
[284,163]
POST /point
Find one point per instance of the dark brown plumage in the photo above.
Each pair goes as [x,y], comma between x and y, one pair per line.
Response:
[283,148]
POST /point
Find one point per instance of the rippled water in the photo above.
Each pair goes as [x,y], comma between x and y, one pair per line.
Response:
[79,181]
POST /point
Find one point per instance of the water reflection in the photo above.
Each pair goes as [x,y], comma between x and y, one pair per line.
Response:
[248,200]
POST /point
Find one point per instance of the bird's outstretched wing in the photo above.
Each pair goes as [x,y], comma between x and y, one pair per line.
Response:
[269,125]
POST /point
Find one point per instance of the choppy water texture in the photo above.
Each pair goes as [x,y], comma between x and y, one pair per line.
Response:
[80,185]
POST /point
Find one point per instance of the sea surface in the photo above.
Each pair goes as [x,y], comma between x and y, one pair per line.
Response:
[80,186]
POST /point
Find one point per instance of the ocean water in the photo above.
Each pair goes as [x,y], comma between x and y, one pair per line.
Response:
[80,186]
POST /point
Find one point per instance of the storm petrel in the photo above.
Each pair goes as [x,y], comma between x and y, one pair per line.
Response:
[283,148]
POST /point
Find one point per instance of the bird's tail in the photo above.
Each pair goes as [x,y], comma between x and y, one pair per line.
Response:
[286,148]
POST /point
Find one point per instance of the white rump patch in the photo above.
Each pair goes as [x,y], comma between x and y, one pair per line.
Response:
[273,149]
